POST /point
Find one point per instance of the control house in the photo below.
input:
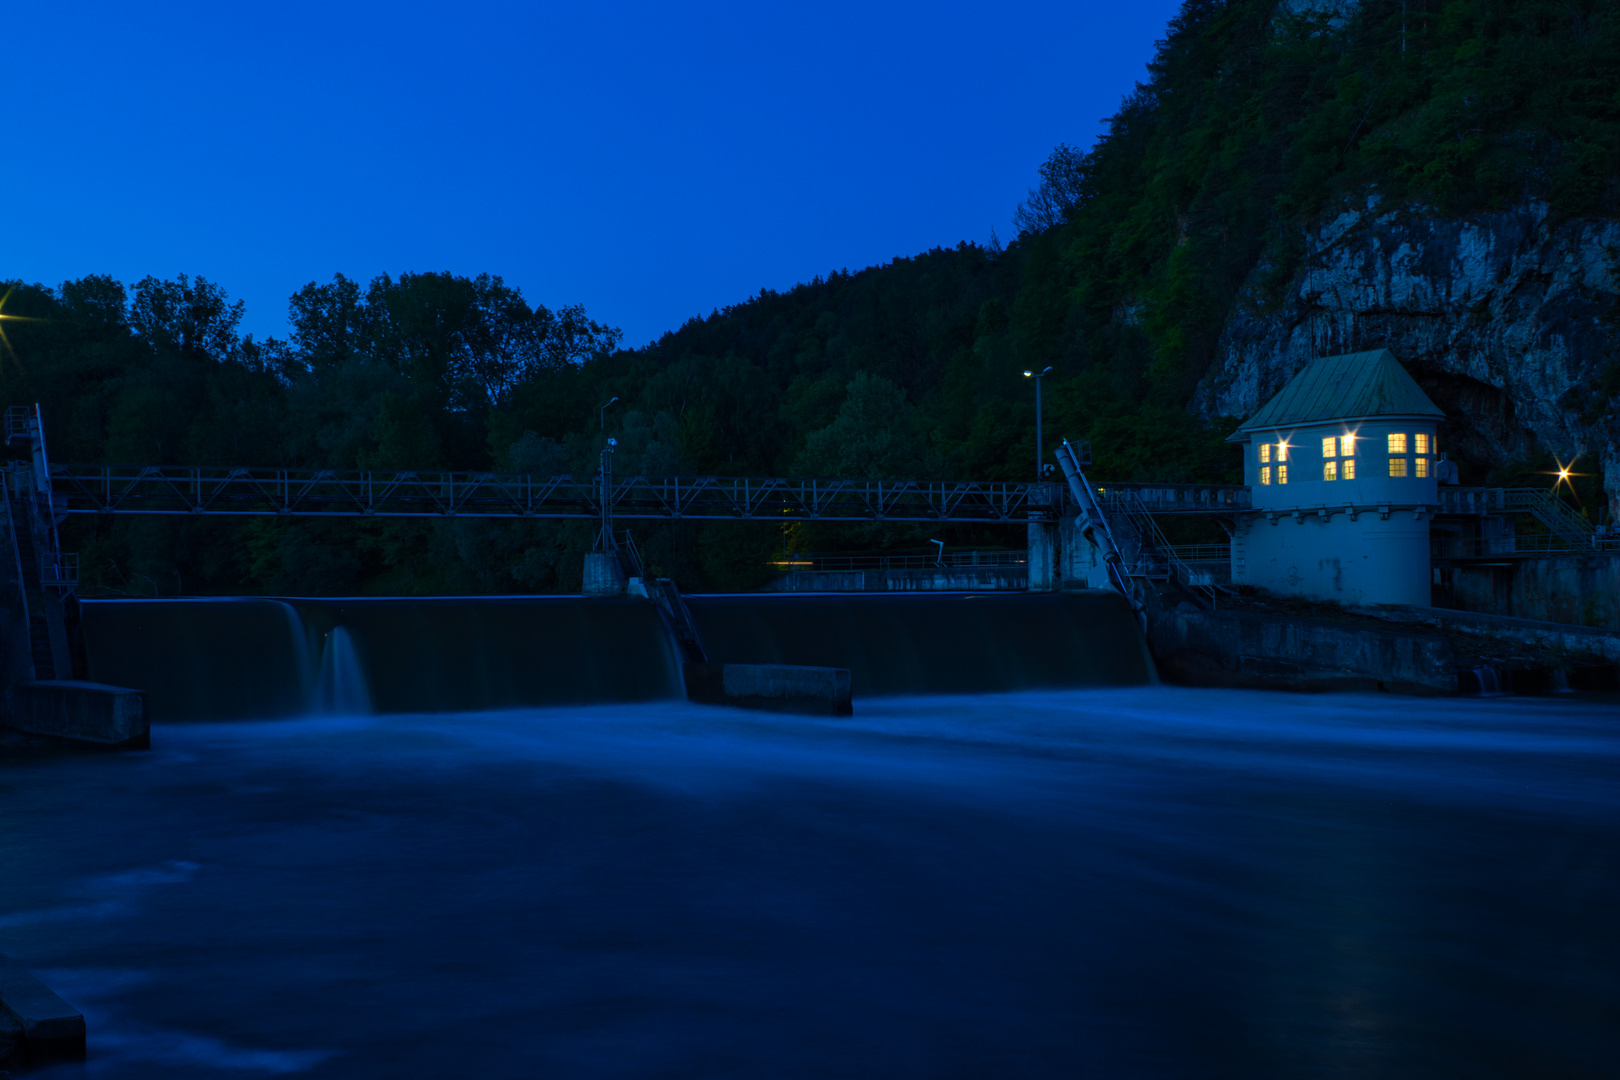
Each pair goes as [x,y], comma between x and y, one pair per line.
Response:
[1342,468]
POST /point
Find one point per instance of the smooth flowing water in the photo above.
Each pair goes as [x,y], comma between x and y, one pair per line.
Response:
[1137,882]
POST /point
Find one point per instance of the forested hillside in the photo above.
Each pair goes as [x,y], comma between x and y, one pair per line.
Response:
[1140,266]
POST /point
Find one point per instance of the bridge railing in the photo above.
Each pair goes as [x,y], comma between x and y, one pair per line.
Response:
[114,489]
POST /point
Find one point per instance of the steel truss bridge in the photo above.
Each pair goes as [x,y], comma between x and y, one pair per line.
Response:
[189,490]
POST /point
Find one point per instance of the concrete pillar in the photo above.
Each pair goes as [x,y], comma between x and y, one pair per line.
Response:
[603,575]
[1042,552]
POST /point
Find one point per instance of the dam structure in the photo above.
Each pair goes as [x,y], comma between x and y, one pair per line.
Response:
[1072,616]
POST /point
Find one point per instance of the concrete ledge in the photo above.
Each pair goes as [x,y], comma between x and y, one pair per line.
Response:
[816,691]
[81,711]
[52,1030]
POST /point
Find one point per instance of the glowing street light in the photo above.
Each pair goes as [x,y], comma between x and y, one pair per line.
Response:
[1040,467]
[4,318]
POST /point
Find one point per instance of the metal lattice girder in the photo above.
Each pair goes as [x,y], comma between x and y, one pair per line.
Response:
[104,489]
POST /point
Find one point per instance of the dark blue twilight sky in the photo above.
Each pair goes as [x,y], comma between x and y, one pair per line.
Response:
[651,161]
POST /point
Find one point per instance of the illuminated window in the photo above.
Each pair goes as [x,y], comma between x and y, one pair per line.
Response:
[1265,474]
[1265,452]
[1282,450]
[1347,446]
[1420,444]
[1282,474]
[1422,467]
[1330,446]
[1330,470]
[1350,469]
[1397,465]
[1397,445]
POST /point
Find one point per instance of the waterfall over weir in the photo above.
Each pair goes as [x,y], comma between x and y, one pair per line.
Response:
[248,658]
[342,689]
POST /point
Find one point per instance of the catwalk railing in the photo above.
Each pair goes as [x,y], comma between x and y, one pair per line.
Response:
[183,490]
[179,490]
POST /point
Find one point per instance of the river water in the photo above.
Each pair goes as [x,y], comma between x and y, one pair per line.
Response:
[1135,882]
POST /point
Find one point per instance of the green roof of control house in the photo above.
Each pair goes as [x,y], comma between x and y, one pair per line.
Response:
[1351,386]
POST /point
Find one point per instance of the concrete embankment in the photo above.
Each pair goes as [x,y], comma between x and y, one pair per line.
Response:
[1240,648]
[1403,650]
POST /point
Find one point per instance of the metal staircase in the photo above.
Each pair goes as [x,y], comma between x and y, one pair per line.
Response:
[1554,513]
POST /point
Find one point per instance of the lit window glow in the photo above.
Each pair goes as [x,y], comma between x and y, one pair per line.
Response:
[1420,444]
[1265,474]
[1265,452]
[1347,446]
[1282,474]
[1330,447]
[1397,465]
[1282,450]
[1397,445]
[1350,469]
[1330,470]
[1422,467]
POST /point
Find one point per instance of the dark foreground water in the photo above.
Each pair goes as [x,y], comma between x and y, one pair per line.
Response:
[1101,883]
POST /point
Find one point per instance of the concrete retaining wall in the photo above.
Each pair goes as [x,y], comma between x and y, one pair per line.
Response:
[1580,589]
[817,691]
[81,711]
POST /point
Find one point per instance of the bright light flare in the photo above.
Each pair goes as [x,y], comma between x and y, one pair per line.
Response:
[1565,475]
[4,318]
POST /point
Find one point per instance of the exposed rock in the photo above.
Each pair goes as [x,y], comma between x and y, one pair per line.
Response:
[1507,320]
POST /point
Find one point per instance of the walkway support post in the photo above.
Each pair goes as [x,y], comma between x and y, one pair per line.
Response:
[1045,502]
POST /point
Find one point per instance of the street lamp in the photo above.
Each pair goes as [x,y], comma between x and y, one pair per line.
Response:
[602,416]
[1040,467]
[607,491]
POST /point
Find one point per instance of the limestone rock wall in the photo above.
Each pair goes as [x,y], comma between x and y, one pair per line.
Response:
[1508,321]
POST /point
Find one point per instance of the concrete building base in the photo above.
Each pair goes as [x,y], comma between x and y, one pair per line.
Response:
[81,711]
[815,691]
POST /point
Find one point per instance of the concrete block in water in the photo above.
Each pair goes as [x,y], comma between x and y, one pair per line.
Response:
[82,711]
[817,691]
[51,1028]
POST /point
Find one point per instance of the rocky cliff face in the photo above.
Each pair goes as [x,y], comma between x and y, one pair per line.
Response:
[1508,321]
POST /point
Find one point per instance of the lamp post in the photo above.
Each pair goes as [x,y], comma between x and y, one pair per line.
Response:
[607,493]
[1040,467]
[602,416]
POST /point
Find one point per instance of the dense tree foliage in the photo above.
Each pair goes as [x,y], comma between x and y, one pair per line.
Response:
[1256,116]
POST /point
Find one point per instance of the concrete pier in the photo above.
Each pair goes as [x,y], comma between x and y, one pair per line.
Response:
[815,691]
[81,711]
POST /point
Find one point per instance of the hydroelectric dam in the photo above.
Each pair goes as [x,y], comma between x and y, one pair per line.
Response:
[498,837]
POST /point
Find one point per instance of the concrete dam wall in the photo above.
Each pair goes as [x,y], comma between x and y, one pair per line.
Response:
[244,658]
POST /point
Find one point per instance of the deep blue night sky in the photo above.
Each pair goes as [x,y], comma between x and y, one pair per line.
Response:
[650,161]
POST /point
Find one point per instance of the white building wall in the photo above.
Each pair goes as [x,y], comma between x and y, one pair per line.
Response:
[1358,541]
[1368,560]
